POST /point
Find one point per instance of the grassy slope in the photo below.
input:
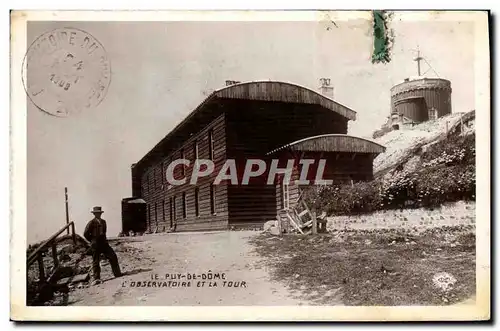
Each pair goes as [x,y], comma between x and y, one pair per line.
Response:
[373,268]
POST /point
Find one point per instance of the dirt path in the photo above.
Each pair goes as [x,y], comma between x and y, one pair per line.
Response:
[194,253]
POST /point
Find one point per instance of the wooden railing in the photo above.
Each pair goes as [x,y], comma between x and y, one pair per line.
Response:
[37,255]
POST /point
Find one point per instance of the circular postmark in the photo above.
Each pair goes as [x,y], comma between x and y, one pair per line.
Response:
[65,71]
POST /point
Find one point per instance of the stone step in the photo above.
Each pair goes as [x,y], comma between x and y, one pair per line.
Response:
[74,279]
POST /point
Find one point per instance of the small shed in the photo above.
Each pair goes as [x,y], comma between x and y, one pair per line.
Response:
[348,159]
[134,215]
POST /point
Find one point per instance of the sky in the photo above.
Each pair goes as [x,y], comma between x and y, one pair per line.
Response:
[162,70]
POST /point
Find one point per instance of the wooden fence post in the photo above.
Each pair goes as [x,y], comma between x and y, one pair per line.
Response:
[41,268]
[73,234]
[54,255]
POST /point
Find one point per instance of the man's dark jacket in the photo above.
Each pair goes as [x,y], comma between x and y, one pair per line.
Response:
[95,231]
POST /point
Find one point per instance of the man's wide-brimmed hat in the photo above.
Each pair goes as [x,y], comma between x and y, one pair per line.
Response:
[97,210]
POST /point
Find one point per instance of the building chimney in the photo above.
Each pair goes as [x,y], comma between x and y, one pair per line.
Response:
[325,87]
[231,82]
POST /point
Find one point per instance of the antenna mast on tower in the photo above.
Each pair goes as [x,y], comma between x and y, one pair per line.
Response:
[418,59]
[421,58]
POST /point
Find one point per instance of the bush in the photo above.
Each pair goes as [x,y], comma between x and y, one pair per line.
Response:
[446,173]
[455,150]
[444,184]
[362,197]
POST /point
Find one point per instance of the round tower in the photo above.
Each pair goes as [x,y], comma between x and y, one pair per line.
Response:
[420,99]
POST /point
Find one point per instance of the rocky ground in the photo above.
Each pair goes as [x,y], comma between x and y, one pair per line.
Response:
[253,268]
[222,267]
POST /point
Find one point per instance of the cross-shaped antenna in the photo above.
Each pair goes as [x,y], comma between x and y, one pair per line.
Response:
[418,59]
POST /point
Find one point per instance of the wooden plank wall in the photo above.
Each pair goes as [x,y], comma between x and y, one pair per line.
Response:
[255,128]
[157,192]
[258,127]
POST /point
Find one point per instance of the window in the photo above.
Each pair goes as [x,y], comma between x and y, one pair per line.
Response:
[433,114]
[156,213]
[212,198]
[164,218]
[196,201]
[195,150]
[150,216]
[155,181]
[173,208]
[149,183]
[211,144]
[184,205]
[162,174]
[183,167]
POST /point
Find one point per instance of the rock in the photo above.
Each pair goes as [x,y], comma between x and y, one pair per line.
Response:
[330,293]
[297,276]
[368,242]
[444,281]
[63,272]
[74,280]
[64,257]
[66,250]
[269,224]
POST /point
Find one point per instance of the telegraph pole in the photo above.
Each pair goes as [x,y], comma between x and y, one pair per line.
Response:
[67,212]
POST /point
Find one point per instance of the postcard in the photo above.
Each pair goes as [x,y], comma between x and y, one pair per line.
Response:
[280,165]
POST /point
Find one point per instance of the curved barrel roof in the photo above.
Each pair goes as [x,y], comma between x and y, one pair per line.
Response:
[281,91]
[262,91]
[333,143]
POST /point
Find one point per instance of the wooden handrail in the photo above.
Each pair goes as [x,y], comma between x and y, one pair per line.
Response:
[33,256]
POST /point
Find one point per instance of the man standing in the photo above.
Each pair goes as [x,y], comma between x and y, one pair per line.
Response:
[95,232]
